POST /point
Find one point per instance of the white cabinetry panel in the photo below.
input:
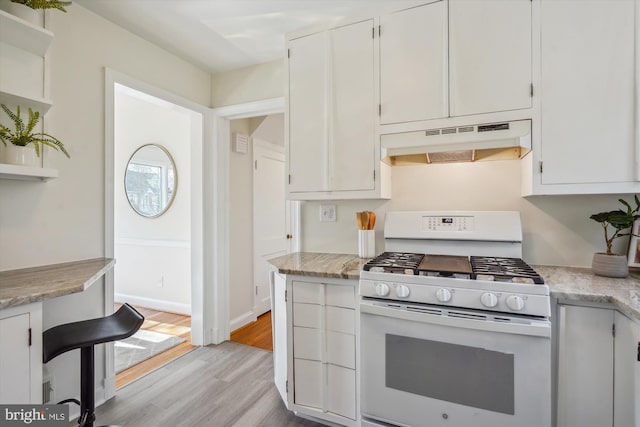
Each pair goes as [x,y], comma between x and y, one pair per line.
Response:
[307,121]
[626,393]
[342,388]
[352,108]
[309,381]
[15,367]
[413,64]
[489,56]
[588,86]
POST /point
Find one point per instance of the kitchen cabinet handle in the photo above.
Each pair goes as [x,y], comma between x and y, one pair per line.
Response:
[289,236]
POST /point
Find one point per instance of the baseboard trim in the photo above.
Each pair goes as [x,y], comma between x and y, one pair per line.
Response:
[242,320]
[154,304]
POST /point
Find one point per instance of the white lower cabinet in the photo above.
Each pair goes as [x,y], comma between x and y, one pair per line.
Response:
[21,354]
[321,347]
[598,368]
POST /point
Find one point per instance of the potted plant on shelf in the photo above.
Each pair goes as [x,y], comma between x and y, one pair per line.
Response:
[17,150]
[28,9]
[607,263]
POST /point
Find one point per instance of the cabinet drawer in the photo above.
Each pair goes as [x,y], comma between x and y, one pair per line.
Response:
[341,296]
[307,315]
[307,343]
[310,293]
[308,383]
[341,349]
[341,320]
[341,395]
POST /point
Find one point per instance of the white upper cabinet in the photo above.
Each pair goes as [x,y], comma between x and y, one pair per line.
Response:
[307,103]
[413,64]
[332,115]
[587,102]
[352,115]
[489,56]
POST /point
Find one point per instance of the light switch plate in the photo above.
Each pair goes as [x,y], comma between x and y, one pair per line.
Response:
[328,213]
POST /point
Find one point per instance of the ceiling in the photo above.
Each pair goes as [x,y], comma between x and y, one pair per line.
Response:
[221,35]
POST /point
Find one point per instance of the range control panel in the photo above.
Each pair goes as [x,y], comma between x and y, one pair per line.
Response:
[447,223]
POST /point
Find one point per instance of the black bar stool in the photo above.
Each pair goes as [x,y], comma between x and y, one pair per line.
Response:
[84,335]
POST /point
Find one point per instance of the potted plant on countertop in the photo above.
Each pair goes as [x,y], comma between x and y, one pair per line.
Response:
[17,142]
[607,263]
[28,9]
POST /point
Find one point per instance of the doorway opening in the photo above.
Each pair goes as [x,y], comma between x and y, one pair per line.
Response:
[259,224]
[154,223]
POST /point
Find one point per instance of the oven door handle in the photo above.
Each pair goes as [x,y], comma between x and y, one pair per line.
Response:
[535,327]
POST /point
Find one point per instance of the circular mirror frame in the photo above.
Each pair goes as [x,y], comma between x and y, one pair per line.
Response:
[175,180]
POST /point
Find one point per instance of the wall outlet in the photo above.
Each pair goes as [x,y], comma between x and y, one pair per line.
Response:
[328,213]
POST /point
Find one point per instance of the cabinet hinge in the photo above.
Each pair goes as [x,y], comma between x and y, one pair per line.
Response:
[374,175]
[256,290]
[256,164]
[638,351]
[288,53]
[373,32]
[289,178]
[379,109]
[379,30]
[29,337]
[285,295]
[531,90]
[613,329]
[540,166]
[286,386]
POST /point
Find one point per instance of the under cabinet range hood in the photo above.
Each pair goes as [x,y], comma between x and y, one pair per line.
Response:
[487,141]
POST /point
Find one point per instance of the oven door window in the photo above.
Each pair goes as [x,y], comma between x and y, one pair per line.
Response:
[462,374]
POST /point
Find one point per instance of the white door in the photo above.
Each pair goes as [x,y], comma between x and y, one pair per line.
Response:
[588,86]
[307,118]
[413,64]
[353,114]
[626,380]
[489,71]
[269,217]
[15,384]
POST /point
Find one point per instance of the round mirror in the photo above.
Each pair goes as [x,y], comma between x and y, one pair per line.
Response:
[150,180]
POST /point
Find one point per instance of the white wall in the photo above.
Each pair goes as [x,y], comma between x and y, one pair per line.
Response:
[63,220]
[262,81]
[153,253]
[557,229]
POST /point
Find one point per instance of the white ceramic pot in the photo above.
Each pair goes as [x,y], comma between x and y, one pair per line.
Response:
[609,265]
[25,13]
[18,155]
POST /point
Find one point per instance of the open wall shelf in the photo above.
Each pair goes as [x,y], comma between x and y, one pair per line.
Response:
[24,35]
[26,173]
[12,100]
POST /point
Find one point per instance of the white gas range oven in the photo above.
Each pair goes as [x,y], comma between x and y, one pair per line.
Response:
[454,325]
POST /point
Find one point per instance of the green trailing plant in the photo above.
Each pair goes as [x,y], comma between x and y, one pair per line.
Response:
[44,4]
[24,135]
[620,220]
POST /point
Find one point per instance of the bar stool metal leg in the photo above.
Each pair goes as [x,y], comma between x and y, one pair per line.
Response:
[87,379]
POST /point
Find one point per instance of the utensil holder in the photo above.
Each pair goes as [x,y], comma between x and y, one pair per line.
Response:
[366,243]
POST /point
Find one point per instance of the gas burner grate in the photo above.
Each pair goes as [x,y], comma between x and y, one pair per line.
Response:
[395,262]
[504,269]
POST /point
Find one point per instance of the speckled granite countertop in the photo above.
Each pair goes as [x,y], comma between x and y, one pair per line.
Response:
[568,283]
[580,284]
[342,266]
[28,285]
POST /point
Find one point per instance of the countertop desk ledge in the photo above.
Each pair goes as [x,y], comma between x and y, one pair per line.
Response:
[28,285]
[341,266]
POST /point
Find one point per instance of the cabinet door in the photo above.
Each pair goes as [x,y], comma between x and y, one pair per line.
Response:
[278,289]
[413,64]
[307,118]
[341,391]
[15,359]
[585,366]
[309,383]
[587,106]
[626,395]
[490,56]
[352,108]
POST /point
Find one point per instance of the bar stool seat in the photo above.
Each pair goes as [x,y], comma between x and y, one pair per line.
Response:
[85,335]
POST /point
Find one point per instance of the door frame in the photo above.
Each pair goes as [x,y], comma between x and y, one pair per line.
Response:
[217,207]
[198,336]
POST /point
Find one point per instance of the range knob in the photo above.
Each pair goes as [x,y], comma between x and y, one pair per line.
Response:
[382,289]
[402,291]
[515,302]
[443,295]
[489,299]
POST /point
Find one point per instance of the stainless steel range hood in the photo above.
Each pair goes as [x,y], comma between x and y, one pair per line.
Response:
[488,141]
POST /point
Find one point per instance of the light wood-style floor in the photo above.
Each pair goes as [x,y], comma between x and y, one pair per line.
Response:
[159,321]
[215,386]
[255,334]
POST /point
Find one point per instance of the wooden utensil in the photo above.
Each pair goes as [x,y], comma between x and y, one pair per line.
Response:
[359,220]
[365,220]
[372,221]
